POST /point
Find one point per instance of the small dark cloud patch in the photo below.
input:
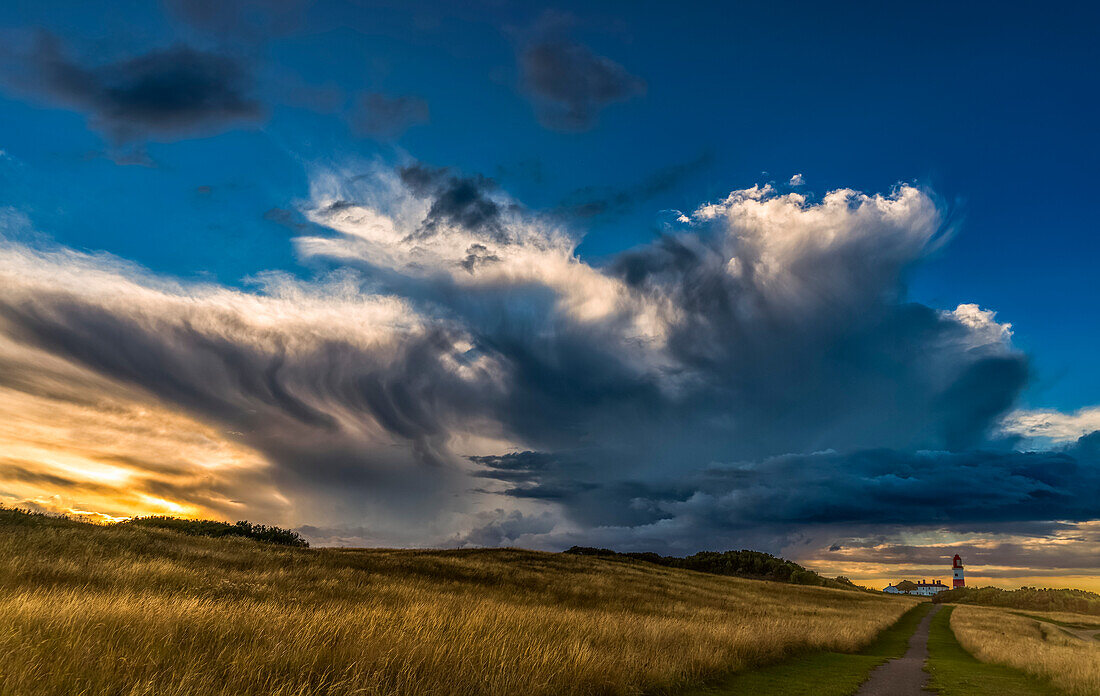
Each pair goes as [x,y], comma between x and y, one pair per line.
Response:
[165,94]
[569,84]
[463,201]
[204,190]
[382,116]
[514,466]
[478,255]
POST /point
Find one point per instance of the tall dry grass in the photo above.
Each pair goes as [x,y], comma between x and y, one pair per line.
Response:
[1041,649]
[141,611]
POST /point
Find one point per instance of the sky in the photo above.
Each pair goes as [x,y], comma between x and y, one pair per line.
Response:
[818,281]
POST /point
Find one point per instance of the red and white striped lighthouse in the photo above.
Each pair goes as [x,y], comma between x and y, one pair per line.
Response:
[957,571]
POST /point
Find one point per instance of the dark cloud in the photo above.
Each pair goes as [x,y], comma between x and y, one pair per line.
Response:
[478,255]
[569,84]
[381,116]
[504,528]
[463,201]
[164,94]
[1001,492]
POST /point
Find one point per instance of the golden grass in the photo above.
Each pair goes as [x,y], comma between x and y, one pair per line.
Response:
[1040,649]
[132,611]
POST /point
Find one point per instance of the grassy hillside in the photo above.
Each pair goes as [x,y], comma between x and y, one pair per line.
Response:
[743,564]
[1026,598]
[955,671]
[1046,652]
[135,609]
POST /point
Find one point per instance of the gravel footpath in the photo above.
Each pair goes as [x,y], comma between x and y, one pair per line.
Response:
[904,676]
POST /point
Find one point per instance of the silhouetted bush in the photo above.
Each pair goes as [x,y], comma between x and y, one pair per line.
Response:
[212,528]
[746,564]
[32,518]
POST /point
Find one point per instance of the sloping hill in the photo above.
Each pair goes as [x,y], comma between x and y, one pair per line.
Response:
[1027,598]
[142,609]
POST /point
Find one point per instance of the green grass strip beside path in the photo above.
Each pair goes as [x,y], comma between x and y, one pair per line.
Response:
[824,673]
[956,672]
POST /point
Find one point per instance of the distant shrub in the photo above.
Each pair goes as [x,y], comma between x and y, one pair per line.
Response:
[32,518]
[213,528]
[746,564]
[1030,598]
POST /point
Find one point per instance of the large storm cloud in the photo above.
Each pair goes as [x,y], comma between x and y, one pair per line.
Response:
[455,373]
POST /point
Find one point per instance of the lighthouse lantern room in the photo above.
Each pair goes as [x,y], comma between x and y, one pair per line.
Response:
[957,572]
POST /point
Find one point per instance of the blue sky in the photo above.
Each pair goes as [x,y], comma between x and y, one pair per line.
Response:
[610,120]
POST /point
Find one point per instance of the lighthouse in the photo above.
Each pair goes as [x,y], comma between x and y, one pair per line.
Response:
[957,572]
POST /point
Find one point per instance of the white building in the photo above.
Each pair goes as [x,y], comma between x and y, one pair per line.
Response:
[927,589]
[922,588]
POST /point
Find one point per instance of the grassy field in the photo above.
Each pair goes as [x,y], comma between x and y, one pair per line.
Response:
[955,672]
[132,610]
[826,673]
[1043,650]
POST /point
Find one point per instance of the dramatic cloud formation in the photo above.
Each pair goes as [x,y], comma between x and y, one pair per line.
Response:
[458,375]
[568,83]
[163,94]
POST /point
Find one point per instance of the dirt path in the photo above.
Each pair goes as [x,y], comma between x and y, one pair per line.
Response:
[904,676]
[1086,634]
